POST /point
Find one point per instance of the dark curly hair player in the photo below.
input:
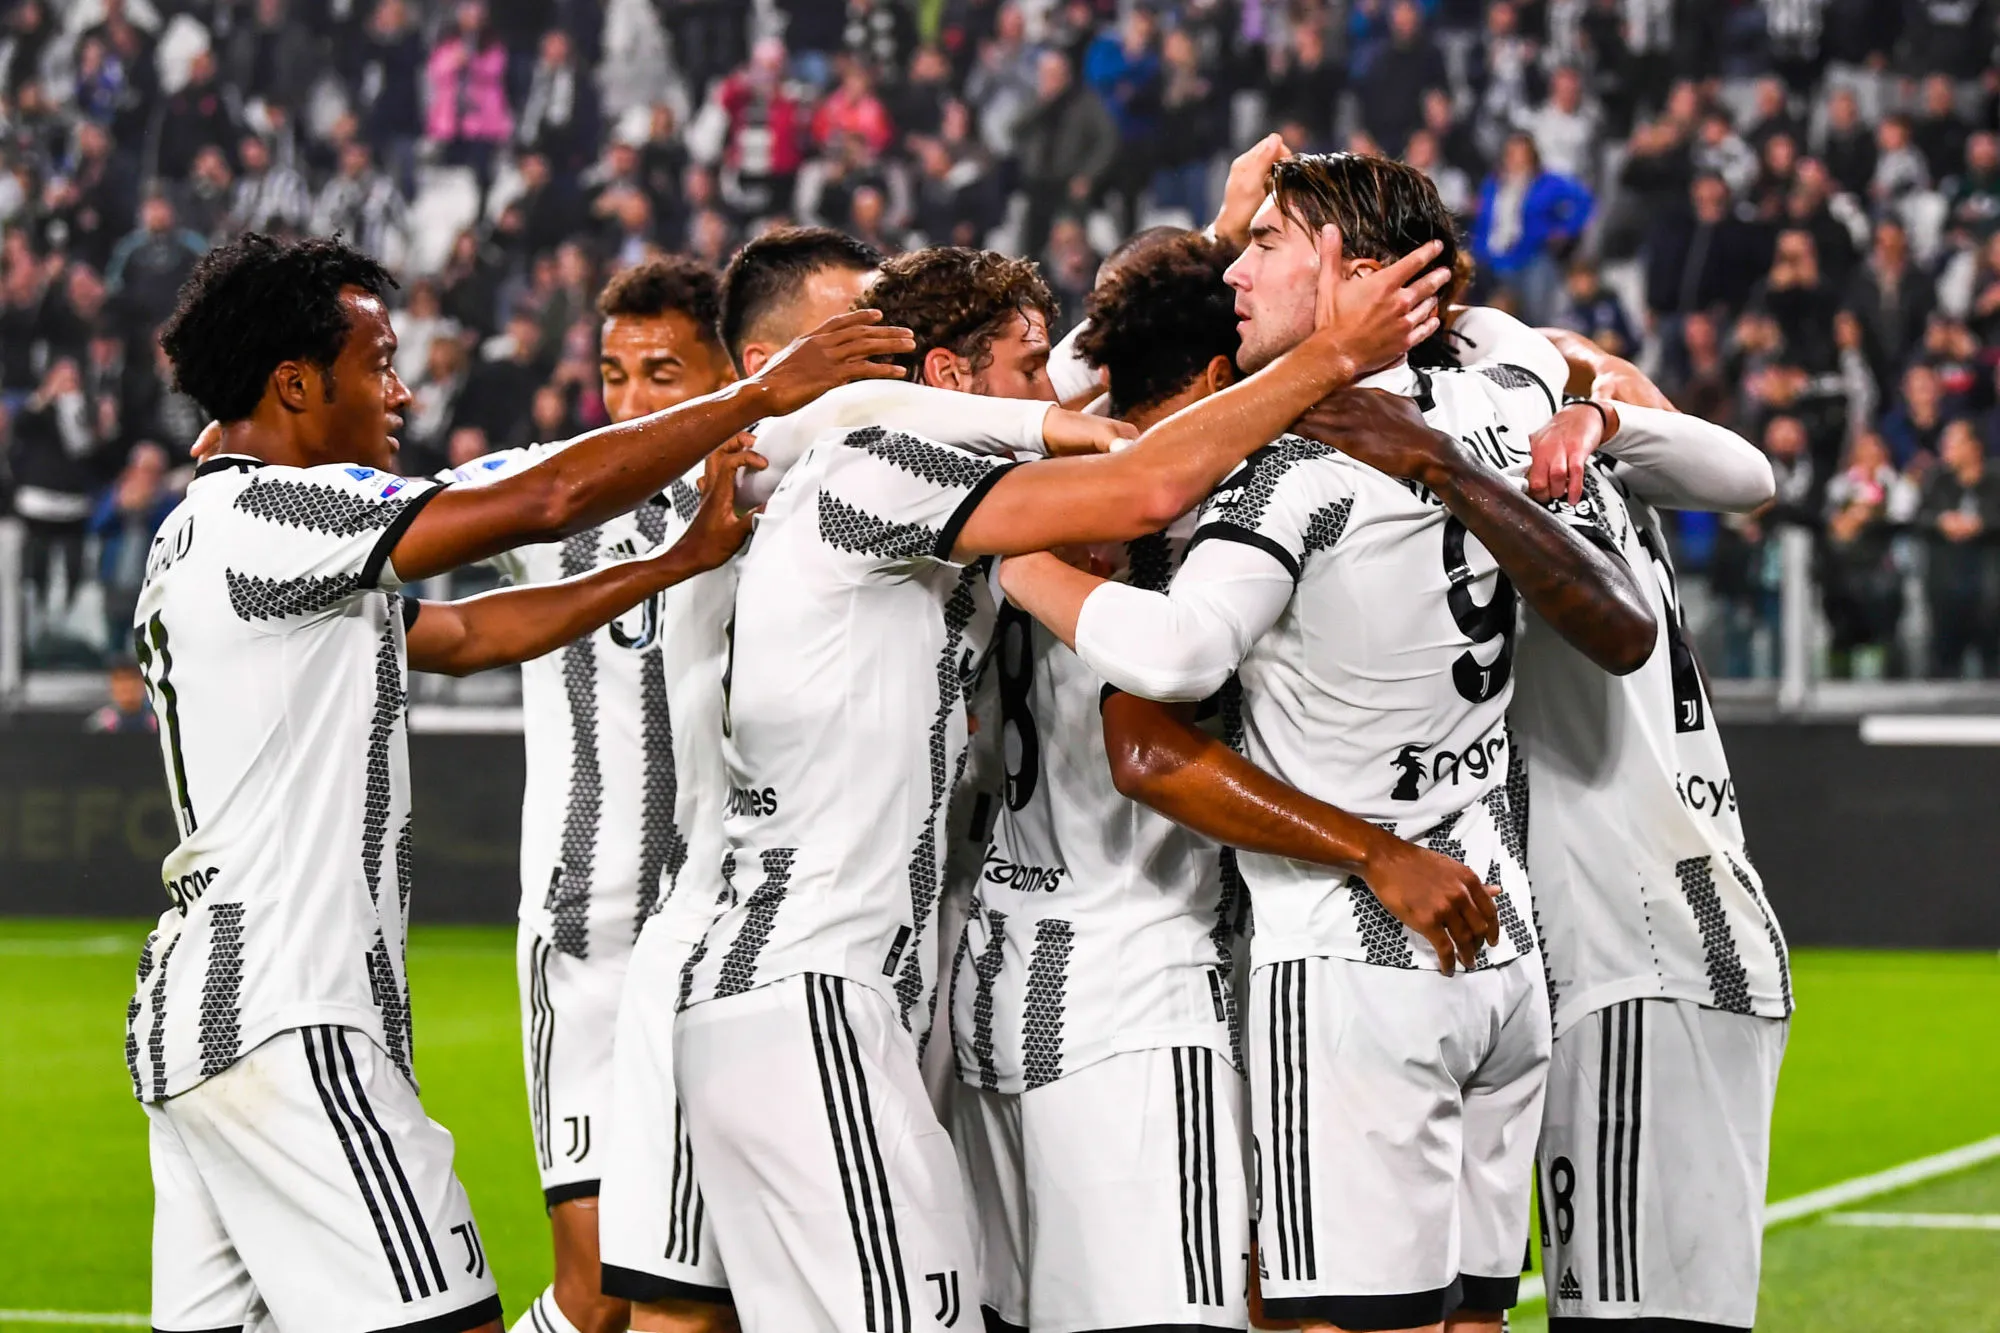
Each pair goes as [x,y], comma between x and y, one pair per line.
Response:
[981,320]
[270,1034]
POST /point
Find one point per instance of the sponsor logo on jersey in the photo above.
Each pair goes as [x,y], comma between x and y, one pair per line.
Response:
[1704,796]
[187,889]
[754,802]
[1007,874]
[1475,762]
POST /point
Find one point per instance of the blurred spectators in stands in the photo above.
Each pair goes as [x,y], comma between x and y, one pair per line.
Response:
[127,708]
[1789,213]
[1529,218]
[1960,516]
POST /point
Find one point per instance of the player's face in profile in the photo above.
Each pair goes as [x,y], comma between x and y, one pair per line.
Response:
[1276,280]
[1019,364]
[651,364]
[368,399]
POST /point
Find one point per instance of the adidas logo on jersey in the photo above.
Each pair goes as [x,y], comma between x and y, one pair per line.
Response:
[623,550]
[1569,1289]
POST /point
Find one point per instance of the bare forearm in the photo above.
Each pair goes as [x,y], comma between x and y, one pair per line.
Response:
[1582,590]
[1167,764]
[1168,471]
[514,625]
[596,477]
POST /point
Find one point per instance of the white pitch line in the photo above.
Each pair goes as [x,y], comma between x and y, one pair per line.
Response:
[74,1317]
[1925,1221]
[1848,1191]
[59,948]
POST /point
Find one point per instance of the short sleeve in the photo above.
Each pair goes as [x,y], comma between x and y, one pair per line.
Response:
[1511,354]
[899,498]
[310,540]
[1290,499]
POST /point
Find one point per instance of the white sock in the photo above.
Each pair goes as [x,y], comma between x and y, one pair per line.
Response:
[544,1316]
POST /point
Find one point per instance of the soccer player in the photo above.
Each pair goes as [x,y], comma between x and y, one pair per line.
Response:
[834,1190]
[1668,974]
[606,822]
[296,1175]
[658,1248]
[1100,1119]
[1373,639]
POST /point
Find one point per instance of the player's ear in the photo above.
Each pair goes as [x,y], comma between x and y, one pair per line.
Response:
[1219,374]
[296,385]
[944,369]
[754,357]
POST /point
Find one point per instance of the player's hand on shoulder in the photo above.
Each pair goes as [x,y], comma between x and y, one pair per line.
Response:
[1065,433]
[1382,429]
[1435,896]
[208,443]
[1376,317]
[838,352]
[718,531]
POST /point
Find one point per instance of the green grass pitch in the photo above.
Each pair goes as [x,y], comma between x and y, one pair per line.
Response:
[1891,1059]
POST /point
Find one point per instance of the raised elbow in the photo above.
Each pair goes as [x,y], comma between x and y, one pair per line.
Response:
[1158,502]
[1758,488]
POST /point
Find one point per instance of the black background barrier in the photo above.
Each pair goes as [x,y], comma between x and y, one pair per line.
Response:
[1858,845]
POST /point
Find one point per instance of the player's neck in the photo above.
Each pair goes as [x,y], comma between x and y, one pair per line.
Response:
[258,437]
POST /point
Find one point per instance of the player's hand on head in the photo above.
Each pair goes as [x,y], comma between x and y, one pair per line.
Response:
[1243,193]
[718,531]
[1382,429]
[1375,318]
[1065,432]
[838,352]
[1435,896]
[1559,452]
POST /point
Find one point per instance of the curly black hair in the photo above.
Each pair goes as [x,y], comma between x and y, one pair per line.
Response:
[664,285]
[256,302]
[1159,319]
[957,299]
[766,274]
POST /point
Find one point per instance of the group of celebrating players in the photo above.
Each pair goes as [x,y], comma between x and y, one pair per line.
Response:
[1184,736]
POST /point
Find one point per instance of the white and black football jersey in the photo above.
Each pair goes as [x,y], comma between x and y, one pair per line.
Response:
[1642,885]
[1382,687]
[623,735]
[854,637]
[271,635]
[1098,925]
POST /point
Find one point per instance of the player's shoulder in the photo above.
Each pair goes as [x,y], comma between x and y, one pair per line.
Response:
[896,454]
[1496,345]
[489,468]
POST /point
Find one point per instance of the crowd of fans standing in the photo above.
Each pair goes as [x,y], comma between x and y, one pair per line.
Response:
[1787,209]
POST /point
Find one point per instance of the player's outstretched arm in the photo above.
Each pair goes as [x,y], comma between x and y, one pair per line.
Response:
[1362,325]
[518,624]
[1161,760]
[607,472]
[1596,373]
[1668,459]
[1584,590]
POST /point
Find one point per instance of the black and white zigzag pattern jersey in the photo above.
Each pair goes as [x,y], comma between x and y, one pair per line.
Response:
[1097,925]
[1382,687]
[624,782]
[844,731]
[271,636]
[1642,885]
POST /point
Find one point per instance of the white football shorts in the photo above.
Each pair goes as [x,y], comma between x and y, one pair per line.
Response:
[569,1012]
[304,1186]
[653,1230]
[1394,1114]
[1654,1154]
[833,1189]
[1114,1197]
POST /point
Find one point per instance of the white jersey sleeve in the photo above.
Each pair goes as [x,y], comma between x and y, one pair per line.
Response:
[900,501]
[1677,461]
[324,536]
[1000,426]
[489,468]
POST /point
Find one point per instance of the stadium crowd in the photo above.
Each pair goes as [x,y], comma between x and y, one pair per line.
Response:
[1786,208]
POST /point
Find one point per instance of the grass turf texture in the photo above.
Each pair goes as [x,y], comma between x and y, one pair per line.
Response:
[1890,1060]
